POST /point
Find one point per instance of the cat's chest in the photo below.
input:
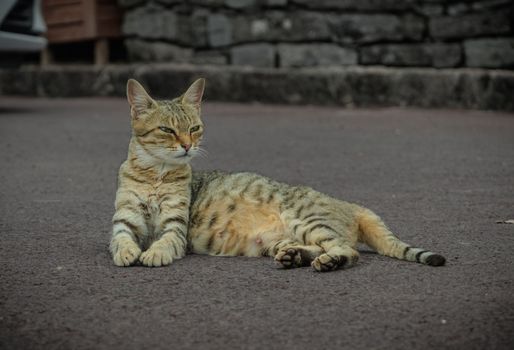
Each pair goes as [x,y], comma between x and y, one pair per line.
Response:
[153,199]
[150,206]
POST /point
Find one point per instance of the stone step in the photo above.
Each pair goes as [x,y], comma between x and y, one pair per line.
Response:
[348,86]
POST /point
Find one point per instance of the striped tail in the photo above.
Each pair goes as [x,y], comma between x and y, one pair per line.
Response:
[375,233]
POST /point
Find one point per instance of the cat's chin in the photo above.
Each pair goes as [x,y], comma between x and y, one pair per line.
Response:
[180,160]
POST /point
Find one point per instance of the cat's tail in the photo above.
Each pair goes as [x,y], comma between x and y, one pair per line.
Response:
[375,233]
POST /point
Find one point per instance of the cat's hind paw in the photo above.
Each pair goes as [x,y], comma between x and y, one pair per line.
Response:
[126,255]
[156,256]
[289,257]
[325,262]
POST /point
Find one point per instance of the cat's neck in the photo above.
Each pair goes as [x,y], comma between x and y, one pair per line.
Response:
[145,166]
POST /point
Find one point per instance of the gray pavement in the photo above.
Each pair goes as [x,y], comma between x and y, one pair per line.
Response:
[440,179]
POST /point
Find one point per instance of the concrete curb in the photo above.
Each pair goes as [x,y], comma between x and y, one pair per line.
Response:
[345,86]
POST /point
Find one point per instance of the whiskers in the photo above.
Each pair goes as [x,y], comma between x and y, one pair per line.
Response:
[202,153]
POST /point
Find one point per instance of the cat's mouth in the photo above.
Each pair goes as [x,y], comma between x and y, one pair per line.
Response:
[185,155]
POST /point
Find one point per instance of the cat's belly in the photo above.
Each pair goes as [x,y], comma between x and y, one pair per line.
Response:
[235,226]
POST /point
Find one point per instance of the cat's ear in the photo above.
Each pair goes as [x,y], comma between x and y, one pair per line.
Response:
[138,98]
[193,95]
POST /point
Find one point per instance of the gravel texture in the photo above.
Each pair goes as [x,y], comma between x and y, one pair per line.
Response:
[440,179]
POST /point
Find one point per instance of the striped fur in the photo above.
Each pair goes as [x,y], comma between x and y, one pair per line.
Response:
[150,224]
[235,214]
[248,214]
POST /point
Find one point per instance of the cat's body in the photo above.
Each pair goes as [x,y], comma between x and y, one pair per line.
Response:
[163,209]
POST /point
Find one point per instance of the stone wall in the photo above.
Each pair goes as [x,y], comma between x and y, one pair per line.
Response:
[306,33]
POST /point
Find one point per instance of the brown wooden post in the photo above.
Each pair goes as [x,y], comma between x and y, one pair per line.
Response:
[101,52]
[46,57]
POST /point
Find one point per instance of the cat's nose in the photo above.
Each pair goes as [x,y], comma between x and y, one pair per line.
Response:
[186,147]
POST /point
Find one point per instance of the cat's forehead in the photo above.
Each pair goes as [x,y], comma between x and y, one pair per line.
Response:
[171,108]
[176,113]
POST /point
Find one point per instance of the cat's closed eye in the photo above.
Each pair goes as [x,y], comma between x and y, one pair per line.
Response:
[166,129]
[194,128]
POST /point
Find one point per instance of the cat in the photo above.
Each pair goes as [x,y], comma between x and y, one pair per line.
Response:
[164,210]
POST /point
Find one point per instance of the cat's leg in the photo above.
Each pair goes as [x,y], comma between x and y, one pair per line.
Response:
[128,224]
[171,228]
[123,248]
[292,254]
[337,250]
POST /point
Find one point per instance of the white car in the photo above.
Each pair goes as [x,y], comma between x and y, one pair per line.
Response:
[21,26]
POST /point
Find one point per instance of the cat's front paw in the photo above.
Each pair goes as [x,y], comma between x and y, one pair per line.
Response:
[126,254]
[156,256]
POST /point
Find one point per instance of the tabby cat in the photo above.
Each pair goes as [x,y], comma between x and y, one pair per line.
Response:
[163,209]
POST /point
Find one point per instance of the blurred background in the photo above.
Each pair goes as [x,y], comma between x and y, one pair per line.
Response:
[352,52]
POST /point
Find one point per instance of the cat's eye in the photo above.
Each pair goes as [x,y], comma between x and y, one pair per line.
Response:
[168,130]
[194,128]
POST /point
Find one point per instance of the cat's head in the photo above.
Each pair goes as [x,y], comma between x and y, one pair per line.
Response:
[168,131]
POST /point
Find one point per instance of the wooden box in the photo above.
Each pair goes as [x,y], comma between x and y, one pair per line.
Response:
[76,20]
[70,21]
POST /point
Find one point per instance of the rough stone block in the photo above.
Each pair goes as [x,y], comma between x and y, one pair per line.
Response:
[209,57]
[14,83]
[170,2]
[309,25]
[470,25]
[198,24]
[366,28]
[488,4]
[140,50]
[200,3]
[458,8]
[429,9]
[154,22]
[257,55]
[219,30]
[308,55]
[151,22]
[363,5]
[129,3]
[276,3]
[282,26]
[490,53]
[239,4]
[431,55]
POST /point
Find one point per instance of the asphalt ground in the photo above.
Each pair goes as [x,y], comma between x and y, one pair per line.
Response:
[440,179]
